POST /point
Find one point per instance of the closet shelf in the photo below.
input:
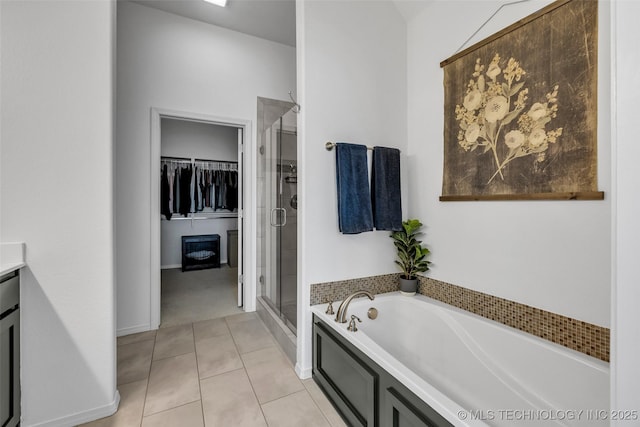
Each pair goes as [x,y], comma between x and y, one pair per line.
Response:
[212,215]
[203,164]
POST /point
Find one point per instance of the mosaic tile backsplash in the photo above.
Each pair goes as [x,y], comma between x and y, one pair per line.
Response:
[584,337]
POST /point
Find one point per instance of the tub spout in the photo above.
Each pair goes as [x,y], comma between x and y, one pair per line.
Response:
[341,315]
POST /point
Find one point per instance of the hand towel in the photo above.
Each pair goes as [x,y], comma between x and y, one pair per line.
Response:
[354,198]
[385,192]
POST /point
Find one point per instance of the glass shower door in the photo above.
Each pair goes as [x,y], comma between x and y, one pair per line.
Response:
[279,242]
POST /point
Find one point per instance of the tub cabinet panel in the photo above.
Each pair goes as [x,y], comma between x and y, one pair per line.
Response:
[363,392]
[349,381]
[400,412]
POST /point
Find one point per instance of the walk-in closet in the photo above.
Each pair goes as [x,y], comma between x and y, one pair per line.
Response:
[200,186]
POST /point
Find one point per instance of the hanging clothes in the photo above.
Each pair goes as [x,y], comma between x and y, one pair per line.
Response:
[232,190]
[165,199]
[185,190]
[207,189]
[200,187]
[196,199]
[219,182]
[176,191]
[170,179]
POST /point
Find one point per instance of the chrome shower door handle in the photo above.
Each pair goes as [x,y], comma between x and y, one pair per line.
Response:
[284,217]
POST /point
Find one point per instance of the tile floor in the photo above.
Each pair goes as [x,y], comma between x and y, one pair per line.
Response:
[225,372]
[191,296]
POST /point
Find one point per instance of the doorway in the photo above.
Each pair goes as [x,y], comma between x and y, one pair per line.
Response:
[201,146]
[199,217]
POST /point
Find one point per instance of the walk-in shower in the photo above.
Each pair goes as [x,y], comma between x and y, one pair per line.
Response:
[278,206]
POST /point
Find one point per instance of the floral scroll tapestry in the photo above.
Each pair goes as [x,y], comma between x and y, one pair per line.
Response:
[521,110]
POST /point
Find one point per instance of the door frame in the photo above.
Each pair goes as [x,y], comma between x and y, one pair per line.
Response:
[246,236]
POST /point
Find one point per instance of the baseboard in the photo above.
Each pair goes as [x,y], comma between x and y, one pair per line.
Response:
[283,335]
[81,417]
[133,330]
[303,373]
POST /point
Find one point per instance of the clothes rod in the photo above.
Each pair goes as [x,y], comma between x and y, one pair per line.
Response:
[198,218]
[174,160]
[330,145]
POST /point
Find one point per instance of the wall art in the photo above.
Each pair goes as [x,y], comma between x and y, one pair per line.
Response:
[521,110]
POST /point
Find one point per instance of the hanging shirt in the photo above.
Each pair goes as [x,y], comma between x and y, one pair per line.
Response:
[185,190]
[176,191]
[165,200]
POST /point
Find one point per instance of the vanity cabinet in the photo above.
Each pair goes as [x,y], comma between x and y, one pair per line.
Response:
[363,392]
[10,349]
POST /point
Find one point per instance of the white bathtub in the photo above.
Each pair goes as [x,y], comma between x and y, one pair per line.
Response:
[475,371]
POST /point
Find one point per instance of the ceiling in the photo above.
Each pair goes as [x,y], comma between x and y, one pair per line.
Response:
[273,20]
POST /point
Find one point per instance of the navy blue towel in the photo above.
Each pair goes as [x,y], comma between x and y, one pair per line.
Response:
[354,198]
[385,191]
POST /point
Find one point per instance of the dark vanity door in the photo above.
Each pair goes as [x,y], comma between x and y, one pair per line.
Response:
[9,350]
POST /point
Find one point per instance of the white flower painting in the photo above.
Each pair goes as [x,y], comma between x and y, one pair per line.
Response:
[520,110]
[495,111]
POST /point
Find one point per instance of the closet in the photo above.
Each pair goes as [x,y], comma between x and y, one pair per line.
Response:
[192,188]
[199,185]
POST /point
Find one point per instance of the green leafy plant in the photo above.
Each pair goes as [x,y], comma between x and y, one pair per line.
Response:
[412,256]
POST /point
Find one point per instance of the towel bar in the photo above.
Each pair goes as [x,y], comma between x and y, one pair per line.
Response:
[329,146]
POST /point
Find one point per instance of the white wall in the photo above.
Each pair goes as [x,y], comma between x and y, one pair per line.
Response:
[57,86]
[625,346]
[352,86]
[182,138]
[174,63]
[553,255]
[195,140]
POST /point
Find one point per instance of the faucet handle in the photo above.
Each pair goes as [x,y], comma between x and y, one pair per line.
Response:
[330,308]
[352,324]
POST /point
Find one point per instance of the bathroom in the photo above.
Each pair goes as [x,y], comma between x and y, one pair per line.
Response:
[362,72]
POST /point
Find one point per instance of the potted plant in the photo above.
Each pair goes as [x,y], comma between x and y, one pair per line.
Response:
[412,256]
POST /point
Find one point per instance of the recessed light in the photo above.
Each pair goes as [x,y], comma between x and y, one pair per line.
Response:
[221,3]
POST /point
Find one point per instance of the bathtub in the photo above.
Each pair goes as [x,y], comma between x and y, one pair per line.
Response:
[474,371]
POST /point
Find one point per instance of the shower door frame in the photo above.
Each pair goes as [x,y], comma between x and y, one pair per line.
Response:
[246,214]
[273,237]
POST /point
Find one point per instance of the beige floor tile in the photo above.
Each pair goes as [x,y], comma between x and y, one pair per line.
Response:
[174,341]
[129,412]
[210,328]
[173,382]
[242,317]
[228,400]
[250,335]
[271,374]
[134,361]
[189,415]
[141,336]
[327,409]
[217,355]
[295,410]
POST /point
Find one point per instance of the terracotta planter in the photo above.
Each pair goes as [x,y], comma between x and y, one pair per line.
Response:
[408,287]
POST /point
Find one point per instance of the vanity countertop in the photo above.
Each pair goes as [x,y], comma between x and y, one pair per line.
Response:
[11,257]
